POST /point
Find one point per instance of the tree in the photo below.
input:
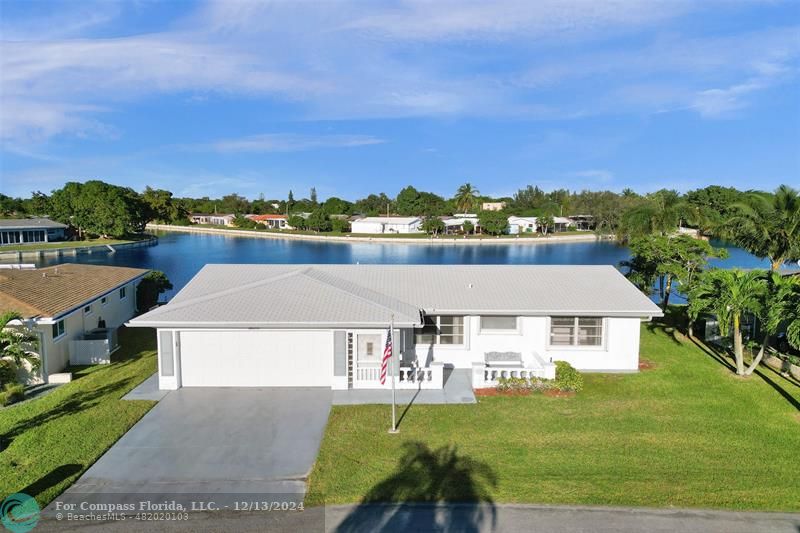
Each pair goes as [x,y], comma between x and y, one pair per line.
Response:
[728,294]
[318,221]
[468,227]
[411,202]
[373,205]
[313,196]
[337,206]
[153,284]
[466,198]
[781,305]
[290,202]
[545,222]
[297,222]
[99,208]
[18,342]
[666,259]
[432,225]
[339,225]
[161,207]
[660,214]
[767,225]
[241,221]
[493,222]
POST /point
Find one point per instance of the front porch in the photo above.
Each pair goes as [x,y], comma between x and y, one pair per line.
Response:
[454,387]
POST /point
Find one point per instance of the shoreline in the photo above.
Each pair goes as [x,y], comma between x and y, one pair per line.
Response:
[75,250]
[441,241]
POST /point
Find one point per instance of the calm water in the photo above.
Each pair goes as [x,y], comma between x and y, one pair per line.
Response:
[181,255]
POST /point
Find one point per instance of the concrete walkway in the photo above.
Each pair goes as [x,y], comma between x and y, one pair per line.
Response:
[147,390]
[457,389]
[461,518]
[234,443]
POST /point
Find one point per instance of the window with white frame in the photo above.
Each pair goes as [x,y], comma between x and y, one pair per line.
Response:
[498,323]
[104,300]
[58,329]
[122,293]
[576,331]
[445,329]
[87,310]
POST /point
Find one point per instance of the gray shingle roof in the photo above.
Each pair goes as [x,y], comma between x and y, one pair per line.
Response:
[29,223]
[367,295]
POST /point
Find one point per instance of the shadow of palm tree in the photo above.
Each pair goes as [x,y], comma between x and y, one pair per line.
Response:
[431,490]
[52,478]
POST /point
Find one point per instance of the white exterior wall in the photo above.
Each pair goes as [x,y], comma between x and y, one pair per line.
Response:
[115,312]
[250,358]
[358,226]
[368,226]
[619,352]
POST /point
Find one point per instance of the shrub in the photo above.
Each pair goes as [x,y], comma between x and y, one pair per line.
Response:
[567,378]
[523,384]
[8,372]
[12,393]
[152,285]
[339,225]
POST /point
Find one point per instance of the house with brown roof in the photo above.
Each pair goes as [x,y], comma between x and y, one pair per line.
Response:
[75,309]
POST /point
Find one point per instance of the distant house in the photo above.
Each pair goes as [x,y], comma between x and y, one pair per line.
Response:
[271,221]
[200,218]
[387,225]
[221,220]
[517,225]
[493,206]
[30,230]
[326,325]
[74,308]
[455,223]
[583,222]
[562,223]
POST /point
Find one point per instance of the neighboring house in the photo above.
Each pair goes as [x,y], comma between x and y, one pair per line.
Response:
[493,206]
[561,224]
[69,302]
[271,221]
[582,222]
[221,220]
[326,325]
[455,223]
[518,225]
[387,225]
[200,218]
[30,230]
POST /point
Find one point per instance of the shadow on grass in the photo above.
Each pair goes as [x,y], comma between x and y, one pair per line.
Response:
[76,403]
[51,479]
[431,490]
[773,378]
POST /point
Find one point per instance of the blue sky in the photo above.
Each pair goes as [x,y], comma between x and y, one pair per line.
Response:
[210,98]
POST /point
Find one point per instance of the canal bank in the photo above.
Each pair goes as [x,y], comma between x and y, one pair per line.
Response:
[72,251]
[440,240]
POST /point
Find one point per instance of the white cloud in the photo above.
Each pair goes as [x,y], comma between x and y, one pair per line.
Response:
[286,142]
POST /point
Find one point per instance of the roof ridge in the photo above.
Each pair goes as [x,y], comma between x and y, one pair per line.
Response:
[224,292]
[315,275]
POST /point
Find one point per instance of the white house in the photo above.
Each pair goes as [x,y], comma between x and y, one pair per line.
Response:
[30,230]
[386,225]
[271,221]
[521,224]
[74,308]
[221,220]
[326,325]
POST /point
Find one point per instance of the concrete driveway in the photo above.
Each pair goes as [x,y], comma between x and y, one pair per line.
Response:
[221,441]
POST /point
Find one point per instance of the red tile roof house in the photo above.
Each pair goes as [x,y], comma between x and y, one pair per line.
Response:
[271,221]
[75,310]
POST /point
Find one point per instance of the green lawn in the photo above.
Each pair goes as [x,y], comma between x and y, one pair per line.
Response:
[52,440]
[686,433]
[64,244]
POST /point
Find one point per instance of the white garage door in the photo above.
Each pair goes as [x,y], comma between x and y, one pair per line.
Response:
[252,358]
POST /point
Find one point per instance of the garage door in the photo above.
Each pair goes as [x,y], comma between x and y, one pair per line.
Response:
[256,358]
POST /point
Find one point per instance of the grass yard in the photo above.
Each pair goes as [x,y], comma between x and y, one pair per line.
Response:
[687,433]
[50,441]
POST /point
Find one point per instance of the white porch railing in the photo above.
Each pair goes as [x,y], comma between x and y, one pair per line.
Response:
[485,376]
[367,376]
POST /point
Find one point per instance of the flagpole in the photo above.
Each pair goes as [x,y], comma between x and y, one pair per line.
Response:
[391,366]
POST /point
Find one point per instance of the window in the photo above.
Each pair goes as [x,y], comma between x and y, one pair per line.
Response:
[122,293]
[442,330]
[576,331]
[166,354]
[498,323]
[58,329]
[87,310]
[104,300]
[369,347]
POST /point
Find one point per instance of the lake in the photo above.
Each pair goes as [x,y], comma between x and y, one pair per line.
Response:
[181,255]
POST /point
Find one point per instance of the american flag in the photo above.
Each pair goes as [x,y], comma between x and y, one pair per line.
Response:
[387,354]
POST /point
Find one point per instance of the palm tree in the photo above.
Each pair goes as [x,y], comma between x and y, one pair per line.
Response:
[18,342]
[781,305]
[660,213]
[466,198]
[728,294]
[767,225]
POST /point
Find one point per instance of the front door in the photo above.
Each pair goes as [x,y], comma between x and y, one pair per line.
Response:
[368,352]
